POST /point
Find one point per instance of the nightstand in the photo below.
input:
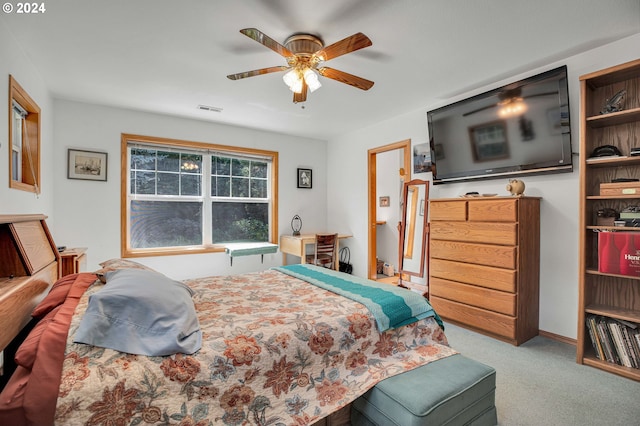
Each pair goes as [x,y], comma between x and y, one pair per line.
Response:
[73,260]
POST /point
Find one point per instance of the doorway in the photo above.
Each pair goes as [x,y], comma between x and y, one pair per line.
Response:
[403,148]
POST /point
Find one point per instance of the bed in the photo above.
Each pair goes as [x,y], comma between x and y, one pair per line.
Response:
[290,345]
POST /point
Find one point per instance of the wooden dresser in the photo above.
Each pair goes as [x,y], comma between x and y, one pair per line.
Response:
[485,264]
[29,265]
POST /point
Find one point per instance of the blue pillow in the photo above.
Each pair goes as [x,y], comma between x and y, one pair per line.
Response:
[141,312]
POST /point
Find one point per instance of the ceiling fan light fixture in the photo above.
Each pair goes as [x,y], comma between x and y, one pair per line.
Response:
[291,77]
[297,87]
[512,108]
[311,78]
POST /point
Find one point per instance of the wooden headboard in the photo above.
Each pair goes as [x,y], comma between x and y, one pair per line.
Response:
[29,265]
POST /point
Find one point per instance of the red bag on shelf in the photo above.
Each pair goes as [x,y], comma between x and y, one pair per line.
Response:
[619,253]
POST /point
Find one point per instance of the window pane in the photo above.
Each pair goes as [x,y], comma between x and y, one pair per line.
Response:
[258,169]
[258,188]
[169,161]
[240,222]
[143,159]
[168,184]
[221,166]
[240,167]
[239,187]
[165,224]
[223,187]
[191,184]
[143,182]
[15,168]
[191,163]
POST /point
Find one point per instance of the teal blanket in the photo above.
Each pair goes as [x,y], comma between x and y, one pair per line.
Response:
[391,306]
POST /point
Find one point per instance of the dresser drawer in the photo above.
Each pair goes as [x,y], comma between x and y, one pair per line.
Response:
[483,276]
[480,297]
[493,210]
[448,210]
[475,232]
[492,322]
[480,254]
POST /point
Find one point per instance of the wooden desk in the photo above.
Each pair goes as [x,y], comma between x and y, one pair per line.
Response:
[297,246]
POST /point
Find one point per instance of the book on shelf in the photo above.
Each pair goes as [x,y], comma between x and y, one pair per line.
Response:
[628,343]
[618,342]
[615,341]
[607,342]
[595,341]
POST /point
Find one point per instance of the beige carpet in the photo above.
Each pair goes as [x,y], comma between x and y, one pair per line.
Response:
[540,383]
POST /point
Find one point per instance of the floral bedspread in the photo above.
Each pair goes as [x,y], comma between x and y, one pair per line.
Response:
[276,351]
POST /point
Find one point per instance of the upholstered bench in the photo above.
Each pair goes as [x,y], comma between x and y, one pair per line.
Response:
[248,249]
[451,391]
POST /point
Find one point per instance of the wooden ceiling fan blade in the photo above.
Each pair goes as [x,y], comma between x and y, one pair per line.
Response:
[540,94]
[350,44]
[253,73]
[346,78]
[267,41]
[479,109]
[302,96]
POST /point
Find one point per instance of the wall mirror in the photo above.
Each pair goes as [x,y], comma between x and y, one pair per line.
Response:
[414,228]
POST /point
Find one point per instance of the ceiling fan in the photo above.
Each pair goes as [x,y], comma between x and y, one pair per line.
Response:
[304,54]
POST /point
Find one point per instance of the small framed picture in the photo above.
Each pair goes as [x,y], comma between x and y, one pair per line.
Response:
[304,178]
[87,165]
[385,201]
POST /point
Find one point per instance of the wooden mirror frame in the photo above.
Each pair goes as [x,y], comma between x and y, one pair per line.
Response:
[413,188]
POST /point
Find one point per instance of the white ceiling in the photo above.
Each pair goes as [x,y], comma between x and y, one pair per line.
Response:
[170,56]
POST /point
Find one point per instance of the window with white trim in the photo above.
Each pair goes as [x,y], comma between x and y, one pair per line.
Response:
[185,197]
[24,137]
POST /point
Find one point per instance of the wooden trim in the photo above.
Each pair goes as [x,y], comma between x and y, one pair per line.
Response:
[557,337]
[371,189]
[31,175]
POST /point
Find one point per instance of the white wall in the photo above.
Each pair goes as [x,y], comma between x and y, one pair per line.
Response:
[559,207]
[15,62]
[88,212]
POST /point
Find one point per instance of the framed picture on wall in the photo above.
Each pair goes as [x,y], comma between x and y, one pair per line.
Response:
[87,165]
[304,178]
[421,158]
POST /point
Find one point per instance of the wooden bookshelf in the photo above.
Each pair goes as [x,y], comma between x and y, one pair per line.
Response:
[611,296]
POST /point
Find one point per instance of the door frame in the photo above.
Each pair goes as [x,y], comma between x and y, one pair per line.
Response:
[405,175]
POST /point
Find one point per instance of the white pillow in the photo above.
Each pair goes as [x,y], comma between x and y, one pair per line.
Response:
[141,312]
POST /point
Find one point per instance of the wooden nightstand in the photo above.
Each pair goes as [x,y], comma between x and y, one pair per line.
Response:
[74,260]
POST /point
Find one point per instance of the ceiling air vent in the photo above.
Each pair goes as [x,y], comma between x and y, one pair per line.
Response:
[209,108]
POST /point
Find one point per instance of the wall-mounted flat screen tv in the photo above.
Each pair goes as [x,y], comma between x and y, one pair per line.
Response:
[519,129]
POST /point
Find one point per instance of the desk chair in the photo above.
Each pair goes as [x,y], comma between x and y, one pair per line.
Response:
[326,251]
